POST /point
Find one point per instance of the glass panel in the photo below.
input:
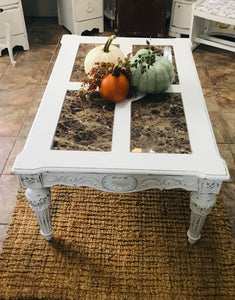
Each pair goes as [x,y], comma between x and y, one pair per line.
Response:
[158,125]
[166,51]
[84,124]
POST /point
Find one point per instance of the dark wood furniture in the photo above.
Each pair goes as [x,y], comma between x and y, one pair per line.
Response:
[140,17]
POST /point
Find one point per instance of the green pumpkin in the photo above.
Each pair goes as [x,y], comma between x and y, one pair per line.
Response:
[151,72]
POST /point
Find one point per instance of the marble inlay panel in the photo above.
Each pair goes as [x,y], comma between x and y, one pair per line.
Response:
[167,51]
[158,125]
[84,124]
[78,72]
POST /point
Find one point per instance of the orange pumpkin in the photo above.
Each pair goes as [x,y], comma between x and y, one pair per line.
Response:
[114,87]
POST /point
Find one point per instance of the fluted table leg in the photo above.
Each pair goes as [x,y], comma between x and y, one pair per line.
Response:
[39,201]
[201,205]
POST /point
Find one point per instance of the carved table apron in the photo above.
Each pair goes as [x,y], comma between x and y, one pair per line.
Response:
[128,165]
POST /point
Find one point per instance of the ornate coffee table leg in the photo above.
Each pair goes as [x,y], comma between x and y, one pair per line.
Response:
[201,205]
[39,201]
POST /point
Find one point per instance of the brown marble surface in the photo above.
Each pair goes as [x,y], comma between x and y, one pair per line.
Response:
[84,124]
[78,72]
[158,125]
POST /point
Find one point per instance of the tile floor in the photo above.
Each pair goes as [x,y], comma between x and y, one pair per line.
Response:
[22,87]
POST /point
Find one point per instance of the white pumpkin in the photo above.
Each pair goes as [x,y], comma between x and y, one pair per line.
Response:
[103,53]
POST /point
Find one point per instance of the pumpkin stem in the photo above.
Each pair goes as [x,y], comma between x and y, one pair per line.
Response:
[149,47]
[117,70]
[108,43]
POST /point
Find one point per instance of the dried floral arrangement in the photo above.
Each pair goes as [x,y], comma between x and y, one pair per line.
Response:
[96,74]
[148,71]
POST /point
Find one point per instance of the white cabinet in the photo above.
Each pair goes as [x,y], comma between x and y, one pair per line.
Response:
[14,16]
[180,17]
[80,15]
[12,26]
[109,10]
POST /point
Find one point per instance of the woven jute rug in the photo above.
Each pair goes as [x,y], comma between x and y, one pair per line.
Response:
[117,246]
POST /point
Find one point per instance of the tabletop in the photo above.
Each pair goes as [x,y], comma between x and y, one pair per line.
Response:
[134,136]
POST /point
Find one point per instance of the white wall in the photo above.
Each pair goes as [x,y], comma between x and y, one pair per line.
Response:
[40,8]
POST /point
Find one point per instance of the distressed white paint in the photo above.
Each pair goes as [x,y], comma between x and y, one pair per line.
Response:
[119,170]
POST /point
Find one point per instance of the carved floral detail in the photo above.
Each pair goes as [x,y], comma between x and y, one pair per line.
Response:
[72,180]
[39,199]
[202,204]
[32,180]
[167,182]
[119,183]
[210,186]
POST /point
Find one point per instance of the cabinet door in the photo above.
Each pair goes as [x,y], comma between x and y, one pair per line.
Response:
[14,17]
[182,15]
[88,9]
[140,17]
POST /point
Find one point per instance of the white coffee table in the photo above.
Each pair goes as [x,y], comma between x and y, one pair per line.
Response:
[122,167]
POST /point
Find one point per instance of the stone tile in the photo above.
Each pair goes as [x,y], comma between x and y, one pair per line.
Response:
[3,234]
[11,120]
[210,98]
[19,94]
[17,148]
[229,119]
[4,58]
[8,166]
[228,192]
[41,90]
[39,36]
[210,56]
[45,23]
[232,146]
[219,128]
[25,72]
[56,53]
[29,20]
[3,66]
[28,121]
[225,99]
[6,145]
[226,154]
[204,77]
[222,76]
[9,186]
[37,53]
[39,94]
[48,73]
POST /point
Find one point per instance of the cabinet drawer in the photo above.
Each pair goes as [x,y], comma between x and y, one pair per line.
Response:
[9,2]
[14,17]
[182,15]
[88,9]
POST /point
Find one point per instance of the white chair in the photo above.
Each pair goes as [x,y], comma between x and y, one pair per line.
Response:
[213,23]
[12,27]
